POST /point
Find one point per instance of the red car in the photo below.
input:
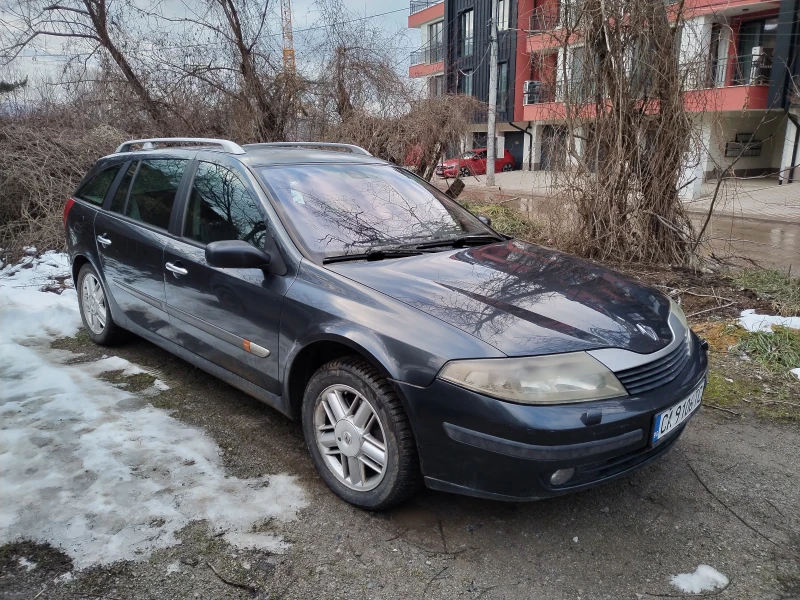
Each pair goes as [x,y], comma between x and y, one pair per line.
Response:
[473,162]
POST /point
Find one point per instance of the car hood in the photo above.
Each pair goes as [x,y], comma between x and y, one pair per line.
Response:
[453,162]
[524,299]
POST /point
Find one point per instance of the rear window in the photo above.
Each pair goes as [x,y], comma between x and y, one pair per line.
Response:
[153,191]
[118,202]
[96,188]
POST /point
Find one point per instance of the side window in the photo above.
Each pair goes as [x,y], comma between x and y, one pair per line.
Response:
[96,188]
[118,202]
[153,191]
[221,208]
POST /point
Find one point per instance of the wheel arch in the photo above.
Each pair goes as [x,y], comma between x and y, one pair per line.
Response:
[305,361]
[77,264]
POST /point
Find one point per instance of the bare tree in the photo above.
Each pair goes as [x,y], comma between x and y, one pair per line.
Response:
[90,25]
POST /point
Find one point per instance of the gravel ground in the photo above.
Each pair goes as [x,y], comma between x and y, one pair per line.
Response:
[725,496]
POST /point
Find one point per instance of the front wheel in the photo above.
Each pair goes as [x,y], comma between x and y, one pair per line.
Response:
[464,172]
[359,436]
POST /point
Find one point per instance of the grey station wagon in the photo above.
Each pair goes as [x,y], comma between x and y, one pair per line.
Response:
[413,342]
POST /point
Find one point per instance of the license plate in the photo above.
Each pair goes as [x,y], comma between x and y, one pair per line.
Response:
[669,419]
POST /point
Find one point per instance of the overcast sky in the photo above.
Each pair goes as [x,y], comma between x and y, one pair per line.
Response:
[48,55]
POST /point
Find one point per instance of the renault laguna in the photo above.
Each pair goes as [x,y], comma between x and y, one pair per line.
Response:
[414,343]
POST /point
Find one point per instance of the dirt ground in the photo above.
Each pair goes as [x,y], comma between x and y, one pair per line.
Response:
[726,496]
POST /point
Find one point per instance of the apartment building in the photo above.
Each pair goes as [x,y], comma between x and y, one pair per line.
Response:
[742,106]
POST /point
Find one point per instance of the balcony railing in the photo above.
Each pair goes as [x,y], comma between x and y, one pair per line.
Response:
[539,92]
[575,91]
[418,5]
[428,56]
[752,70]
[544,18]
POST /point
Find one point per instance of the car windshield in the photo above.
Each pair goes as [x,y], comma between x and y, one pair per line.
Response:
[339,209]
[468,155]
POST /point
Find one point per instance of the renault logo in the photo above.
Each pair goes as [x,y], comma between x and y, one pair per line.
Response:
[648,331]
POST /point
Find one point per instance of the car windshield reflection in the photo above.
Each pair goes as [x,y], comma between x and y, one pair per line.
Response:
[342,209]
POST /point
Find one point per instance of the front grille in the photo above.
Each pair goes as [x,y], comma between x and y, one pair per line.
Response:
[655,374]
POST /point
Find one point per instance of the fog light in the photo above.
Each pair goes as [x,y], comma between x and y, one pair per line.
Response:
[561,476]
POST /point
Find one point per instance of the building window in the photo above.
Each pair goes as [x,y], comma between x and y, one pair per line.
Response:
[436,85]
[500,8]
[435,43]
[502,86]
[755,49]
[465,83]
[465,33]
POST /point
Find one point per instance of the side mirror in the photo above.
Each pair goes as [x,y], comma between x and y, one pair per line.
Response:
[485,220]
[236,254]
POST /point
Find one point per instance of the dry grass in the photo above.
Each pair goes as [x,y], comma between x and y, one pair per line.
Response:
[41,163]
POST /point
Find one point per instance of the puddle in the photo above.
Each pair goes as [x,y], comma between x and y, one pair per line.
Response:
[768,243]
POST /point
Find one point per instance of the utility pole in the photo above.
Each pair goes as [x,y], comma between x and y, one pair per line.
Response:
[490,125]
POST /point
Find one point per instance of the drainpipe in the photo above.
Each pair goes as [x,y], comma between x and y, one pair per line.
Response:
[530,146]
[794,121]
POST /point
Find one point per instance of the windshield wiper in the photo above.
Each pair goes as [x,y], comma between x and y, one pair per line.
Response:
[371,256]
[461,241]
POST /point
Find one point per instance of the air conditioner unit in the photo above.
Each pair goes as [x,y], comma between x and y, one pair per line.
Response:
[531,92]
[758,51]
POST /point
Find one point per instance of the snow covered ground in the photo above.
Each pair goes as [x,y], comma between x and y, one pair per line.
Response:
[92,469]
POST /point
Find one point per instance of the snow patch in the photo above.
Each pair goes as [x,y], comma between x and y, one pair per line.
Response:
[704,579]
[754,322]
[160,385]
[64,578]
[796,372]
[173,567]
[98,471]
[24,562]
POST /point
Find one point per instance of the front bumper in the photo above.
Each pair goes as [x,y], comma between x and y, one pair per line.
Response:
[480,446]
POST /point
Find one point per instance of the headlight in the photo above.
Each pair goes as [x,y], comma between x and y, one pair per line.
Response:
[676,309]
[551,379]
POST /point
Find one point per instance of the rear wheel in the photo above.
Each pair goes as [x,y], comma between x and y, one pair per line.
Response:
[507,167]
[95,313]
[359,436]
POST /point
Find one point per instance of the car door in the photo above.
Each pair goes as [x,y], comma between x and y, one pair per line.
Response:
[479,163]
[230,317]
[131,236]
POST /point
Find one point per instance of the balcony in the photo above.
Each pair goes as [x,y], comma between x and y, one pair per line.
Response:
[424,11]
[420,5]
[427,56]
[544,18]
[427,61]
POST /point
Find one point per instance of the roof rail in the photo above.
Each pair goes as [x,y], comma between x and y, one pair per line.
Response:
[332,145]
[149,144]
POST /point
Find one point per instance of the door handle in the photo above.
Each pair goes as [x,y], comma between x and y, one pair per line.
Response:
[104,240]
[176,268]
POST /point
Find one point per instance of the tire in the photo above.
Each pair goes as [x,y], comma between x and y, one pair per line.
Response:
[354,382]
[464,172]
[507,167]
[95,313]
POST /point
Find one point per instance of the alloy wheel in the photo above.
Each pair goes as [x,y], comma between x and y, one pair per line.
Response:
[464,172]
[507,167]
[93,304]
[350,437]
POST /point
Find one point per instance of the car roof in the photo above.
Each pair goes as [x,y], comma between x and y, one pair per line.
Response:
[268,156]
[255,155]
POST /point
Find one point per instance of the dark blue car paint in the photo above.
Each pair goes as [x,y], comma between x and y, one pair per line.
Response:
[407,316]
